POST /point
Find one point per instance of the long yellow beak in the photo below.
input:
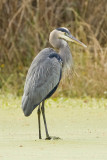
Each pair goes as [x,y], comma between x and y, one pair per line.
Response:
[69,37]
[73,39]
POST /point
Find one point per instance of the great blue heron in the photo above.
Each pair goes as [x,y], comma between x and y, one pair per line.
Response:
[45,72]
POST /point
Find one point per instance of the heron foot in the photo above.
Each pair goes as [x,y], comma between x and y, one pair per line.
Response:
[52,138]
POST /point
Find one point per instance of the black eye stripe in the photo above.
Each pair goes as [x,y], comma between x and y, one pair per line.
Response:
[62,30]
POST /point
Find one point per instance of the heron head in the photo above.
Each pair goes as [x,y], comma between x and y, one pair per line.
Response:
[65,34]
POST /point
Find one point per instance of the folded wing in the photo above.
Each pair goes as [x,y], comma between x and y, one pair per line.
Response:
[43,76]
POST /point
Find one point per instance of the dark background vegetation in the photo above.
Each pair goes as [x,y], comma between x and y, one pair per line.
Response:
[24,30]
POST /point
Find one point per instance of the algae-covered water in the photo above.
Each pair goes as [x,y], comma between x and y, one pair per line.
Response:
[81,125]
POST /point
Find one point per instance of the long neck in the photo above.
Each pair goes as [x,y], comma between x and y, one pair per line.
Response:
[66,56]
[63,47]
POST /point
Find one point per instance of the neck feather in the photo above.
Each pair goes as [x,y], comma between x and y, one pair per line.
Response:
[63,47]
[66,57]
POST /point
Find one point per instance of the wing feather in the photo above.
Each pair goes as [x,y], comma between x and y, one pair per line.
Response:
[43,76]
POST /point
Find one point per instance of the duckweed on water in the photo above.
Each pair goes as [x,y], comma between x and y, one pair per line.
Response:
[10,100]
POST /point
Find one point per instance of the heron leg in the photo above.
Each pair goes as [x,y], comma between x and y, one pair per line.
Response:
[43,113]
[39,125]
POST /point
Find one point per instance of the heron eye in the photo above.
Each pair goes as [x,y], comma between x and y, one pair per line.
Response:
[66,33]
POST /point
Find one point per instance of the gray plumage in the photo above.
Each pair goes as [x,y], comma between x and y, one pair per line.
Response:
[45,72]
[43,75]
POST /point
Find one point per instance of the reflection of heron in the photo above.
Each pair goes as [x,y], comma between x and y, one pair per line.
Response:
[45,73]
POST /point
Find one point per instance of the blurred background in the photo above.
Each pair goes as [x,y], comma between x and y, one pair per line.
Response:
[24,31]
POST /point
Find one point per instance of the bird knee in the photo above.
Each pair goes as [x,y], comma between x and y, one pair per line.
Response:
[38,111]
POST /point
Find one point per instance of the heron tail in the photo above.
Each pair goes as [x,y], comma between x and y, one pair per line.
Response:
[26,105]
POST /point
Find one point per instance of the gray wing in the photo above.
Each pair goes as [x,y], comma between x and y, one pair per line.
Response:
[43,76]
